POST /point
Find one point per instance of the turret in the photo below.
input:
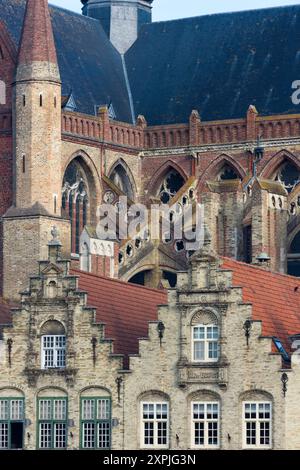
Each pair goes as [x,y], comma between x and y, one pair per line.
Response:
[121,19]
[37,113]
[37,154]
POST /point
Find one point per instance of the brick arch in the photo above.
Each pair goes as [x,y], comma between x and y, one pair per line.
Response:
[91,170]
[94,387]
[204,394]
[216,165]
[154,393]
[121,161]
[140,269]
[255,395]
[274,163]
[161,172]
[13,389]
[53,388]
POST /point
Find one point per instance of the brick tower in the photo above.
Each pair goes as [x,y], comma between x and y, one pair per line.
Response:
[37,151]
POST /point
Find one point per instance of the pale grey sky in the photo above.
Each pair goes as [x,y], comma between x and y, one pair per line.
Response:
[170,9]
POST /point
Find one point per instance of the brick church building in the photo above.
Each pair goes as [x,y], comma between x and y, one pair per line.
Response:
[106,105]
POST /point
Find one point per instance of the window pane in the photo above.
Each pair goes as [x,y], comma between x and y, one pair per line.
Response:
[45,409]
[88,435]
[60,435]
[199,434]
[162,433]
[60,410]
[60,341]
[199,332]
[16,410]
[213,350]
[265,433]
[3,436]
[212,332]
[48,342]
[198,411]
[103,435]
[213,433]
[88,409]
[3,410]
[103,409]
[148,411]
[45,435]
[149,433]
[199,351]
[49,358]
[61,358]
[251,433]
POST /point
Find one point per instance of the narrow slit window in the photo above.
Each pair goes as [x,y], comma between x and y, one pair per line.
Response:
[23,163]
[55,204]
[24,100]
[41,100]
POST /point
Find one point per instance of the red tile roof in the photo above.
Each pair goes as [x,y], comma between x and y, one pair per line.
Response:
[125,308]
[275,298]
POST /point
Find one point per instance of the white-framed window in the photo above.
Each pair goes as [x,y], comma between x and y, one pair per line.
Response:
[205,343]
[95,423]
[53,351]
[257,424]
[12,416]
[155,425]
[206,425]
[52,423]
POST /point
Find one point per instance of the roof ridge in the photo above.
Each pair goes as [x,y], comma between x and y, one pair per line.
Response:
[75,13]
[118,281]
[232,12]
[274,273]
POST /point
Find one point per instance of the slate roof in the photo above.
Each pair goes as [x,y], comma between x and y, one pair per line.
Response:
[218,64]
[89,65]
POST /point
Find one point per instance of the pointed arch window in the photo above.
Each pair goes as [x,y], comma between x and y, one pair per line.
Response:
[75,201]
[228,173]
[294,257]
[289,175]
[170,186]
[121,179]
